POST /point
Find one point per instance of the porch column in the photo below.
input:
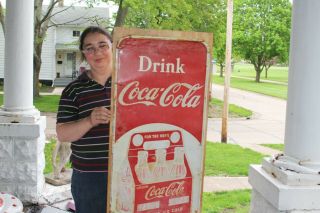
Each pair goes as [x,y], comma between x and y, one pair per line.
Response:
[303,112]
[18,75]
[290,182]
[21,126]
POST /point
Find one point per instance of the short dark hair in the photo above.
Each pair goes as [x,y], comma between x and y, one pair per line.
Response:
[89,30]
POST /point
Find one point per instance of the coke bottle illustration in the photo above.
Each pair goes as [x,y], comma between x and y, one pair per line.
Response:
[142,168]
[178,168]
[160,170]
[125,189]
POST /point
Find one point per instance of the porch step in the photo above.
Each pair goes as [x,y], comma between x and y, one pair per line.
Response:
[61,82]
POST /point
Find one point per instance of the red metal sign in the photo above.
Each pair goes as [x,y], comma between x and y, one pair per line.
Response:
[159,125]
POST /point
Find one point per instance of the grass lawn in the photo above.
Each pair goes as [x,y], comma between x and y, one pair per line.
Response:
[275,73]
[221,159]
[237,201]
[43,88]
[275,90]
[46,103]
[274,146]
[48,156]
[229,160]
[216,107]
[49,103]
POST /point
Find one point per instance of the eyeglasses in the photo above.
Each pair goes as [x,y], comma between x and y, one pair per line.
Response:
[102,47]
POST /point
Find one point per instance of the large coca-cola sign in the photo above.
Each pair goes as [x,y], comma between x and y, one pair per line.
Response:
[160,103]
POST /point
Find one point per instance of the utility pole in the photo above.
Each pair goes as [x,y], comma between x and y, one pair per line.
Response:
[225,112]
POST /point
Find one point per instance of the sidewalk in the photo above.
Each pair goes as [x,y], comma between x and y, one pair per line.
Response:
[56,91]
[266,126]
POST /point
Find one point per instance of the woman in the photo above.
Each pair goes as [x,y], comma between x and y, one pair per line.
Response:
[83,119]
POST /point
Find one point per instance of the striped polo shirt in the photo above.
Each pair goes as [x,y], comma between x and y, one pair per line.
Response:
[90,153]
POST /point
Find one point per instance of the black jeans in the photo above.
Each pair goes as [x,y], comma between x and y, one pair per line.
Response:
[89,191]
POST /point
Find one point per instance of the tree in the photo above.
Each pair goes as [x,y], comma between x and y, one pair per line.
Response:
[188,15]
[2,18]
[167,14]
[42,18]
[268,64]
[220,36]
[41,22]
[262,32]
[121,14]
[204,16]
[156,14]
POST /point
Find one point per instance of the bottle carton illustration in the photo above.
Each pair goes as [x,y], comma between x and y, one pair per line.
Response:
[156,176]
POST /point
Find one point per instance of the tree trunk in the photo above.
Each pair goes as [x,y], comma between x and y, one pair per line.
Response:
[221,70]
[37,51]
[266,74]
[40,28]
[267,68]
[121,14]
[36,69]
[258,73]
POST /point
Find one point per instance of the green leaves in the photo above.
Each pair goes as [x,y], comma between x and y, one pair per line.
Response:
[262,31]
[187,15]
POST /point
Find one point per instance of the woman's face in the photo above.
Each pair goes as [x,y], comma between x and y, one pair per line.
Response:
[98,52]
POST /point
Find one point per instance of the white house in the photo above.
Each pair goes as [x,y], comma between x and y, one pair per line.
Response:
[60,51]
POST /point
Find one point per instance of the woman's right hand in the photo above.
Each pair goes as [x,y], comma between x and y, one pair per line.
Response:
[65,131]
[100,115]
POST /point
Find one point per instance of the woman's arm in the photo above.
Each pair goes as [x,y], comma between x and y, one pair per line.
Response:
[73,131]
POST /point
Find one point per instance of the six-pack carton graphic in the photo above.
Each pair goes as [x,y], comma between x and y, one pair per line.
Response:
[156,174]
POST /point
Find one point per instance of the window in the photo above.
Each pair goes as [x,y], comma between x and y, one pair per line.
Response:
[76,33]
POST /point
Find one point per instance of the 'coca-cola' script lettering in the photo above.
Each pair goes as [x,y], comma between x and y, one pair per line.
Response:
[175,95]
[175,189]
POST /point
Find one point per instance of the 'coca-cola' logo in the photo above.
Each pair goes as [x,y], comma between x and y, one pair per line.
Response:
[175,189]
[175,95]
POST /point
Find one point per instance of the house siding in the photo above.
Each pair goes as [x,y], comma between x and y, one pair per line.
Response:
[62,36]
[48,66]
[65,35]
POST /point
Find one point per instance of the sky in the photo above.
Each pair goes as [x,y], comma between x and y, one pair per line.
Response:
[69,2]
[66,2]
